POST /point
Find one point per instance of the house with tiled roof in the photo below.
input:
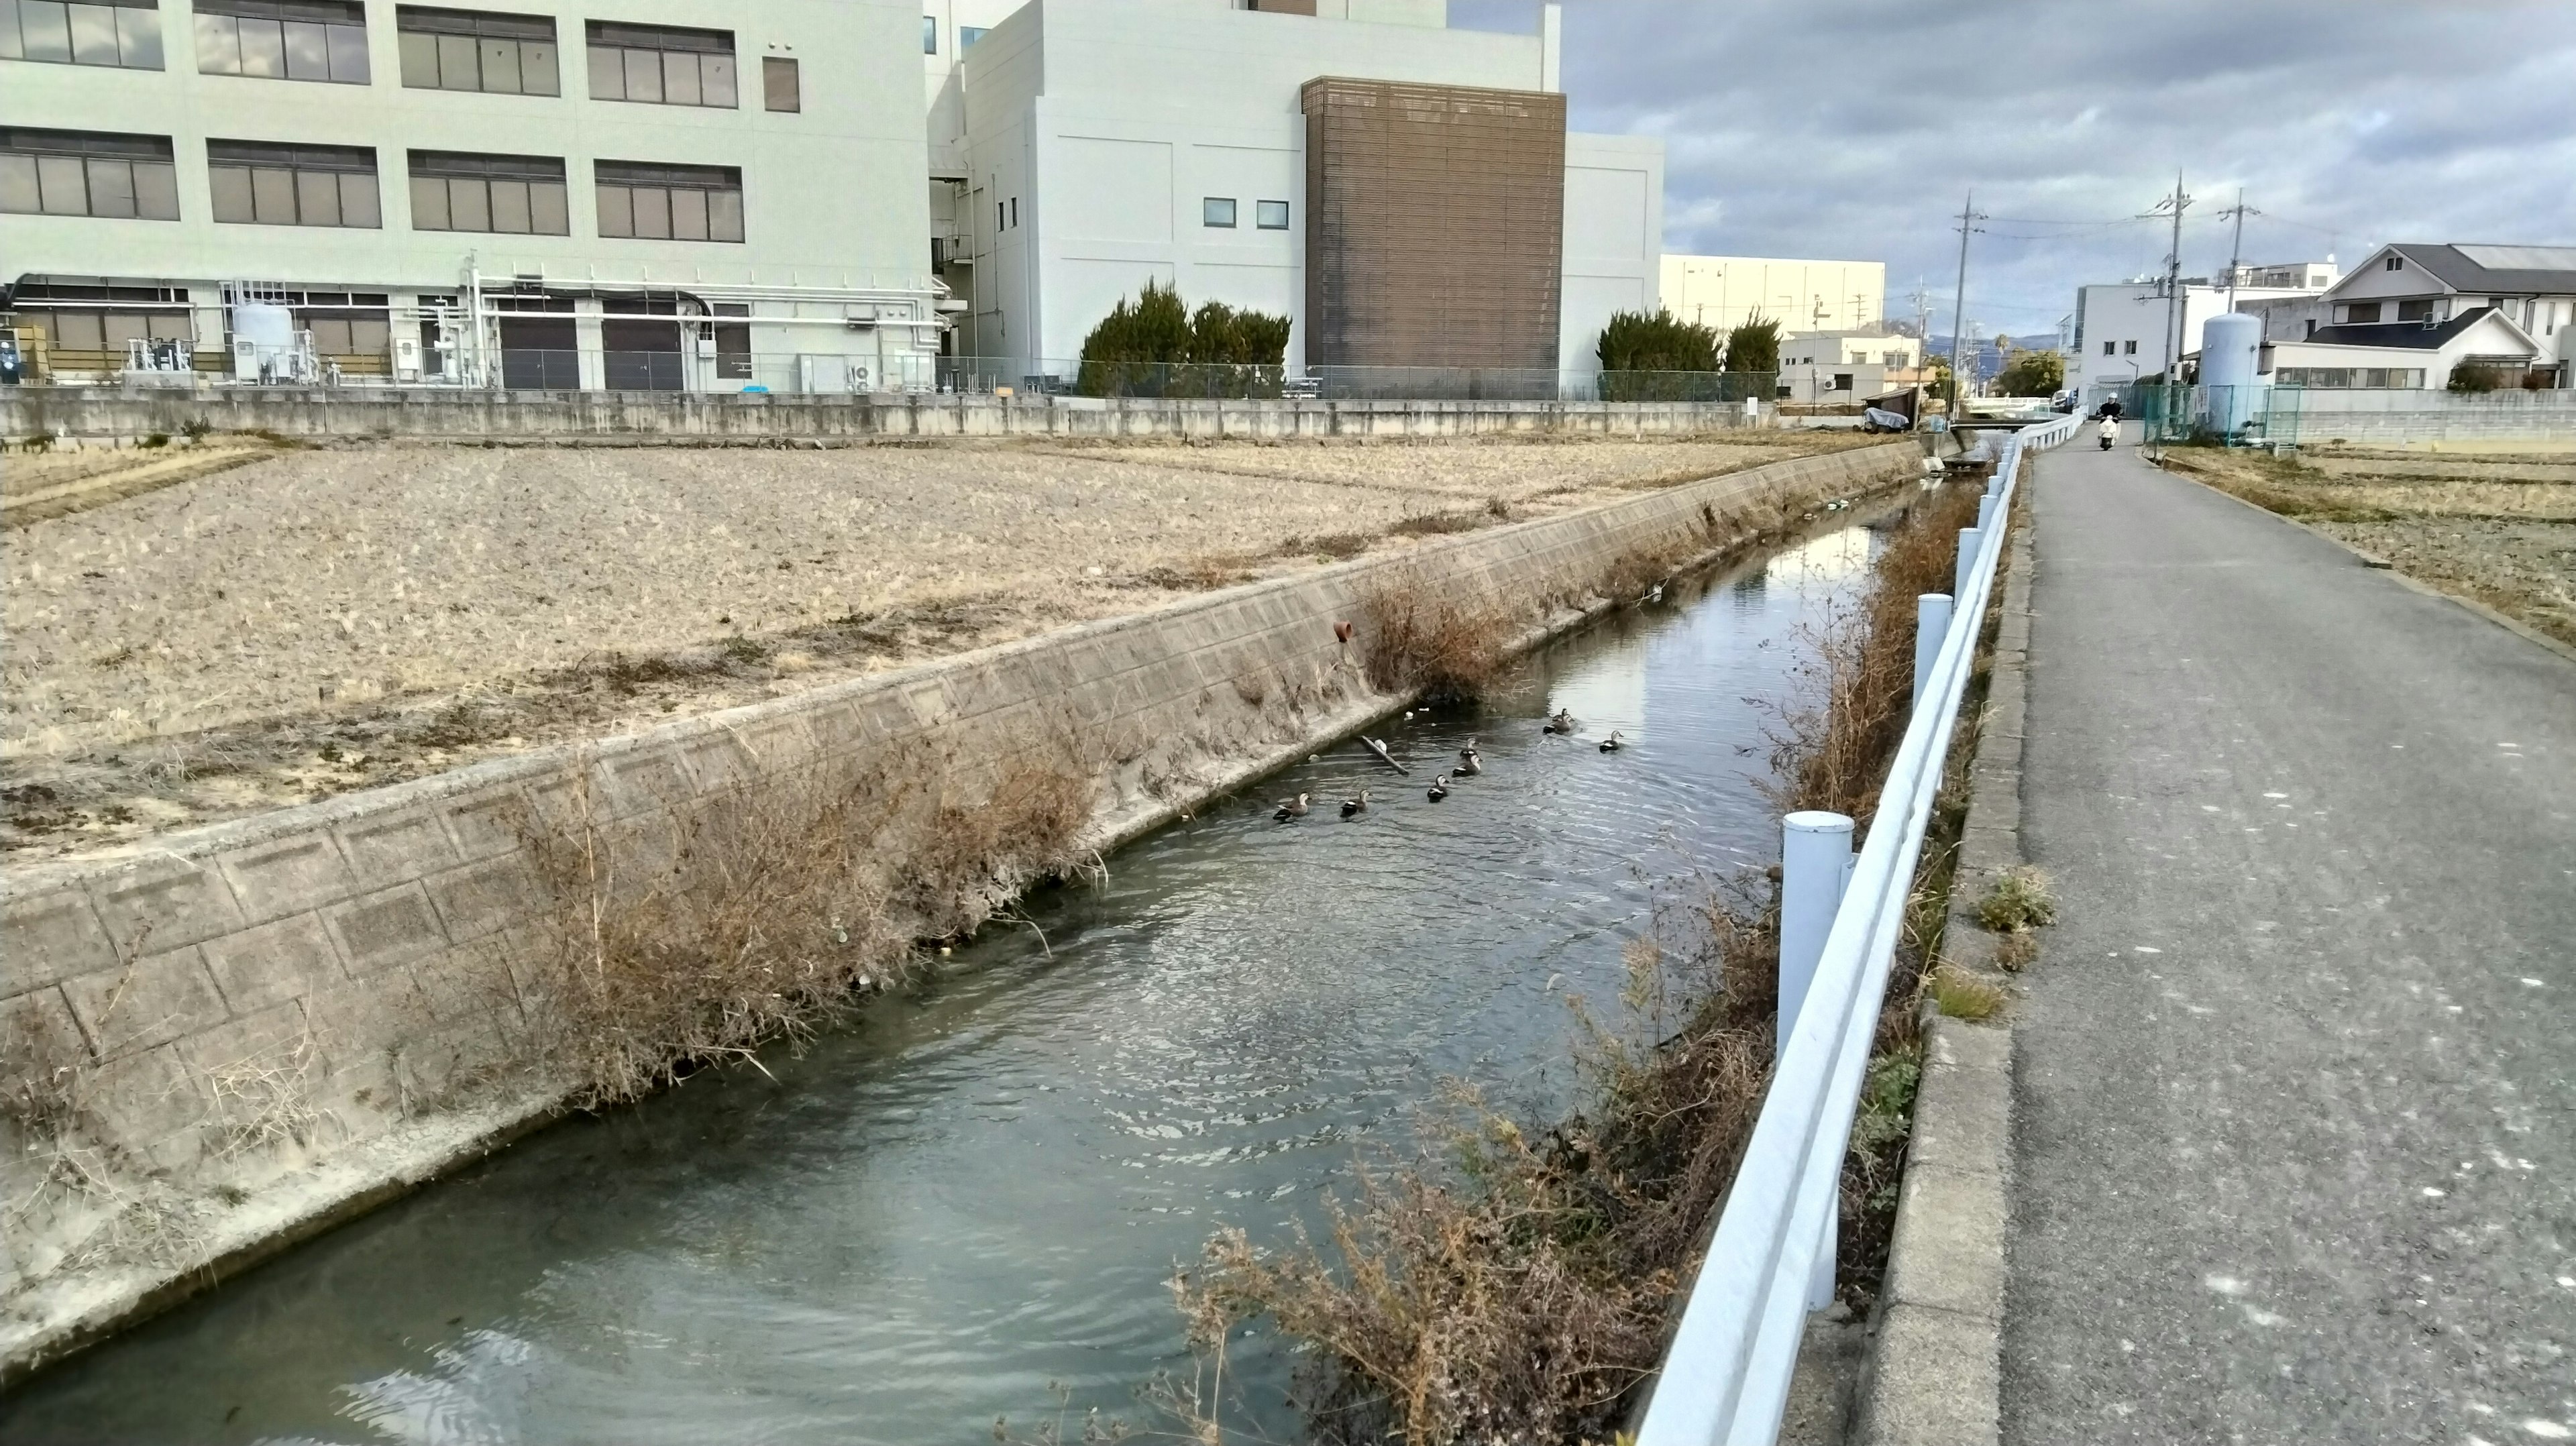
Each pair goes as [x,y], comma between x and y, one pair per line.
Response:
[2412,316]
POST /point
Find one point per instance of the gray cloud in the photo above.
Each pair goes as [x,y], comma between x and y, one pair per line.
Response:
[1852,129]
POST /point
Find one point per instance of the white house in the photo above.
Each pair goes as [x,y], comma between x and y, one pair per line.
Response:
[1286,157]
[646,193]
[1847,366]
[2420,310]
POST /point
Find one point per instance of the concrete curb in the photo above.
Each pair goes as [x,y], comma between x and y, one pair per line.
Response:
[1934,1377]
[2377,563]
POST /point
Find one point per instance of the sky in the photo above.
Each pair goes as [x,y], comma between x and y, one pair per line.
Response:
[1854,130]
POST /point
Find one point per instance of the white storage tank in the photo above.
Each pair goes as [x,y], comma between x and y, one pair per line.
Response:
[2231,347]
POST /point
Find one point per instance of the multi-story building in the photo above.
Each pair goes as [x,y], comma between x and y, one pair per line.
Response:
[1802,296]
[1407,194]
[2125,330]
[630,193]
[1848,366]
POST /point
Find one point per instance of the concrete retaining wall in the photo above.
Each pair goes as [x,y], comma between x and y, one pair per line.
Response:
[229,1038]
[479,416]
[2422,417]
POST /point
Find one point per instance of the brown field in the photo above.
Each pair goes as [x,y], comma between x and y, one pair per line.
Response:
[321,620]
[2499,529]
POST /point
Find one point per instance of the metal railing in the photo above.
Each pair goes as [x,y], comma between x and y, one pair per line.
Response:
[1726,1376]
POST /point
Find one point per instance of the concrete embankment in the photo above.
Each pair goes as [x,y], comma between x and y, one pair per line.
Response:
[233,1038]
[594,417]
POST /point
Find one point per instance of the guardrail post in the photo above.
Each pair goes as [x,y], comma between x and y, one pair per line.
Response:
[1969,537]
[1931,625]
[1815,866]
[1986,512]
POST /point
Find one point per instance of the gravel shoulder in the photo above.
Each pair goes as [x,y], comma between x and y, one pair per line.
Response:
[2500,529]
[316,621]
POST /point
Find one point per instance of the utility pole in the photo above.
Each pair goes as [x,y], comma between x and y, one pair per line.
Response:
[1968,219]
[2176,203]
[2236,249]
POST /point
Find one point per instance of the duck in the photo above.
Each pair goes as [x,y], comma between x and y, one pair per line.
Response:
[1291,808]
[1470,762]
[1439,789]
[1354,807]
[1562,722]
[1611,744]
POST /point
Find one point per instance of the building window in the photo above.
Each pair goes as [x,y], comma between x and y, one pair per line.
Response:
[930,35]
[283,39]
[2415,310]
[461,191]
[276,185]
[1270,215]
[1217,211]
[2396,263]
[648,202]
[122,33]
[87,173]
[102,319]
[967,35]
[2130,347]
[1015,213]
[478,50]
[2360,313]
[2107,348]
[779,88]
[661,65]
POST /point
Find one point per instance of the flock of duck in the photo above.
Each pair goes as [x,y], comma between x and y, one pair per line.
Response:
[1470,763]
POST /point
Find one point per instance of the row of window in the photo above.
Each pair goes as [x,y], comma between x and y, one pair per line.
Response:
[967,35]
[1219,212]
[2343,377]
[326,40]
[2106,348]
[79,173]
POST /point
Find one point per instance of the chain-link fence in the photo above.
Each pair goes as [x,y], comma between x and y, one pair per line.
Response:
[2241,416]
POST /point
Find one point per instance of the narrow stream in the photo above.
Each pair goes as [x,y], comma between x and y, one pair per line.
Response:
[980,1189]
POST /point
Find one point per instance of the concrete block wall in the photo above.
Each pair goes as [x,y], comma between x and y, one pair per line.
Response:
[2415,417]
[593,416]
[240,1005]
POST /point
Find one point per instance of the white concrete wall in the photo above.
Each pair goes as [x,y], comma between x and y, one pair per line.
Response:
[1614,240]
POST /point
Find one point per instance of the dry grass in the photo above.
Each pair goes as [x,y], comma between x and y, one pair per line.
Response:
[1516,1281]
[1962,995]
[2021,899]
[1416,636]
[759,915]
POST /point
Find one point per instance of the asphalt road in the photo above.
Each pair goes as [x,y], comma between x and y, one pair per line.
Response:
[2295,1097]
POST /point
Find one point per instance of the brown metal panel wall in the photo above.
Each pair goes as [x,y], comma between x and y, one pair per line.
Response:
[1435,220]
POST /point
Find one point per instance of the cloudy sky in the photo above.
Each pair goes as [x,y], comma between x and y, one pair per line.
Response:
[1853,128]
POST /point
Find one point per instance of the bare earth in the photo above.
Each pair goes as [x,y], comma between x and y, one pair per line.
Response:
[2500,529]
[323,620]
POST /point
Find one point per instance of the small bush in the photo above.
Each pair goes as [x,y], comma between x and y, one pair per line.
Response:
[1156,347]
[1632,341]
[2017,951]
[196,429]
[1962,996]
[2018,900]
[157,439]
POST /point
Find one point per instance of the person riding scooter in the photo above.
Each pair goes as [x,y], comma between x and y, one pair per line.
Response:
[2109,430]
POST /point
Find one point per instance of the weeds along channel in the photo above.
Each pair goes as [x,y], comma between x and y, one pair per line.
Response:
[1518,1279]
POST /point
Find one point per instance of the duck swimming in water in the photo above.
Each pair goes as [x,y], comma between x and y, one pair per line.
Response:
[1563,722]
[1470,762]
[1611,744]
[1439,789]
[1354,807]
[1291,808]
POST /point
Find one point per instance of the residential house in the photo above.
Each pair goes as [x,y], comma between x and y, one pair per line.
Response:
[2411,314]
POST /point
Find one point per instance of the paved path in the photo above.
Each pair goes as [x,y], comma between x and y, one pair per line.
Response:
[2295,1111]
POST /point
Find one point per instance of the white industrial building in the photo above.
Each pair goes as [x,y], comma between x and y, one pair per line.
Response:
[1080,149]
[2124,330]
[1801,295]
[530,192]
[1848,366]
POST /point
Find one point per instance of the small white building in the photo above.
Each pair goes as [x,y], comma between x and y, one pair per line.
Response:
[1081,149]
[1847,366]
[2124,330]
[1801,295]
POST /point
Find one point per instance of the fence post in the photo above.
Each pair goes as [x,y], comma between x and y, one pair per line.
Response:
[1931,625]
[1969,537]
[1985,513]
[1815,866]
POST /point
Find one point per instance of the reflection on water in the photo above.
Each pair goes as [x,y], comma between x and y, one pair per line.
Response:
[981,1187]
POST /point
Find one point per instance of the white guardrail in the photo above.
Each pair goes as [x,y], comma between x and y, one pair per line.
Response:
[1726,1378]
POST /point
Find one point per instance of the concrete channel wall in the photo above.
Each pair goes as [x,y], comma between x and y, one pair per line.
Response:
[661,416]
[242,1032]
